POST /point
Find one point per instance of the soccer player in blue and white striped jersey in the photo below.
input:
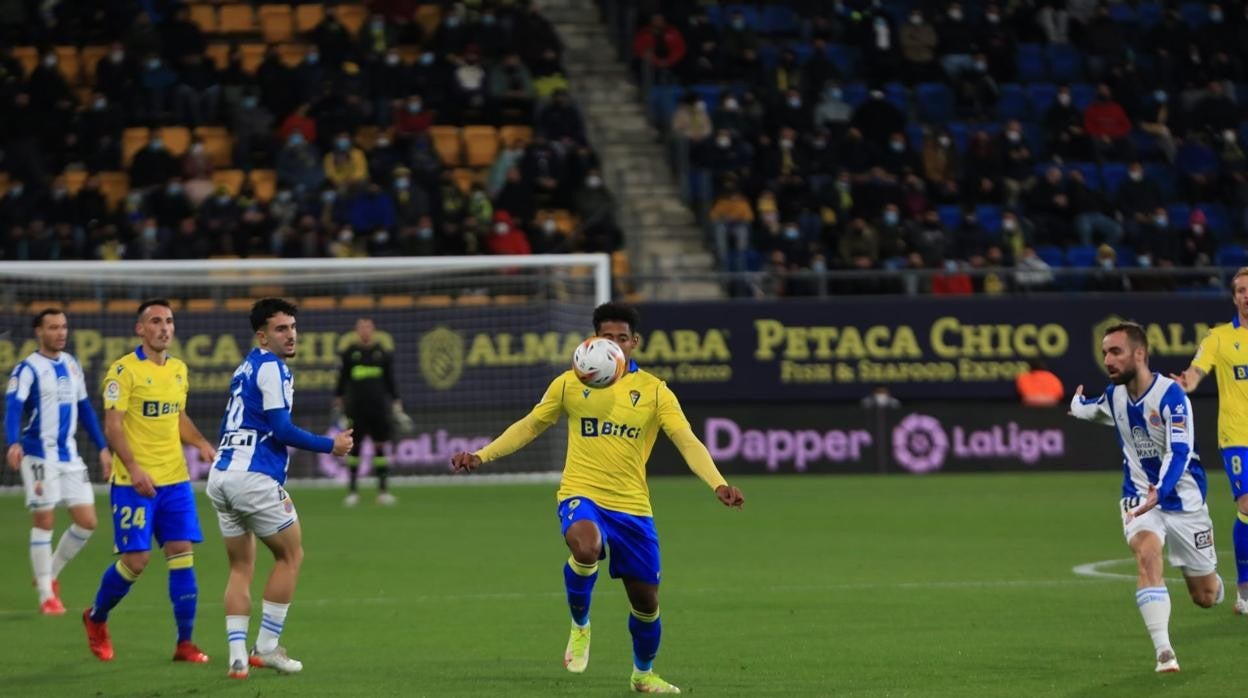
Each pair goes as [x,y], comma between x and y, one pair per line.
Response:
[246,486]
[45,402]
[1163,484]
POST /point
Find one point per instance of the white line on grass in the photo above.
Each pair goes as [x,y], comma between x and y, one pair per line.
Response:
[1093,570]
[324,483]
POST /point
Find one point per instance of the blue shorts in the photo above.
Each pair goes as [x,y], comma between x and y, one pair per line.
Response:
[170,515]
[632,540]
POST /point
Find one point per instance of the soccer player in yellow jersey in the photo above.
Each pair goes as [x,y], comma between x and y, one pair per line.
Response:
[1225,352]
[146,424]
[603,500]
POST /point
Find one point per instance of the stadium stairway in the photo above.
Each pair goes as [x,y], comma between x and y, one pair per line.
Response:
[661,232]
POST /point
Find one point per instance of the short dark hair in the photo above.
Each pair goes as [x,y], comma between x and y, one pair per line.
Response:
[617,312]
[37,321]
[152,302]
[1135,332]
[266,308]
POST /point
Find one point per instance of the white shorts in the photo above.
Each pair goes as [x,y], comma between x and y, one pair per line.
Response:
[248,501]
[1188,535]
[49,483]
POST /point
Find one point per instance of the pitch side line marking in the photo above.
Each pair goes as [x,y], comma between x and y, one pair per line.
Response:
[1092,570]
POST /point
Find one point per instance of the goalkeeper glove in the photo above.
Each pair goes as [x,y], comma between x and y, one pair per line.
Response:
[402,423]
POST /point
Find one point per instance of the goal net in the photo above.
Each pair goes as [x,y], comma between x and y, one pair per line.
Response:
[475,340]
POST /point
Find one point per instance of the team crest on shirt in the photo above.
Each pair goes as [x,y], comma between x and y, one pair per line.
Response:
[1154,419]
[634,396]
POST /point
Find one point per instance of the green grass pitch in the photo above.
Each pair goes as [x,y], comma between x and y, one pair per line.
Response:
[848,586]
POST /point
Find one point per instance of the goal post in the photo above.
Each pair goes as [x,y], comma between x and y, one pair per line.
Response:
[475,340]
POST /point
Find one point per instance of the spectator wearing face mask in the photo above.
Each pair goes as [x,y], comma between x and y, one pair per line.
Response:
[1197,244]
[1156,240]
[252,128]
[1063,125]
[345,165]
[153,164]
[156,82]
[595,206]
[298,165]
[309,78]
[1107,125]
[333,41]
[388,81]
[511,90]
[117,76]
[878,119]
[691,121]
[919,44]
[1137,196]
[506,238]
[411,204]
[412,120]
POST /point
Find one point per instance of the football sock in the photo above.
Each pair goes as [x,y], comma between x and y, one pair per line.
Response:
[236,636]
[1154,603]
[353,471]
[1240,535]
[114,586]
[579,580]
[271,624]
[646,629]
[71,543]
[41,561]
[183,592]
[382,465]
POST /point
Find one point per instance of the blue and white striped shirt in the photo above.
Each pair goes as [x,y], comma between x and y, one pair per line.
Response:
[45,402]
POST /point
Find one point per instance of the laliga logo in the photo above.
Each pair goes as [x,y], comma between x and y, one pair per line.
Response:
[921,444]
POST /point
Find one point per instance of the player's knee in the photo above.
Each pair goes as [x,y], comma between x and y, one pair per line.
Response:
[1242,504]
[136,562]
[1204,598]
[42,519]
[585,549]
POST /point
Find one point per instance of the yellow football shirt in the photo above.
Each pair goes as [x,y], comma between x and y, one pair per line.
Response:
[611,432]
[153,398]
[1224,352]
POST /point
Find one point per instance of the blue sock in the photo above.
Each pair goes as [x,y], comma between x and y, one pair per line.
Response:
[579,580]
[114,586]
[646,629]
[1240,536]
[184,593]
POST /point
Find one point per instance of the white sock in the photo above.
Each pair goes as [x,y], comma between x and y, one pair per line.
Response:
[1154,603]
[71,543]
[271,626]
[41,561]
[236,635]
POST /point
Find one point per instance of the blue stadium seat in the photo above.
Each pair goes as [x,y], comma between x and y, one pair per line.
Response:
[1052,255]
[960,133]
[950,216]
[845,58]
[1081,256]
[1231,255]
[854,93]
[1146,147]
[934,102]
[1127,256]
[899,95]
[802,51]
[1012,103]
[708,93]
[914,136]
[1037,139]
[1113,174]
[1065,63]
[1179,214]
[663,101]
[1041,95]
[778,19]
[1165,178]
[769,55]
[1218,219]
[1082,94]
[752,16]
[1091,174]
[1030,60]
[1121,12]
[1194,14]
[989,217]
[1148,15]
[701,185]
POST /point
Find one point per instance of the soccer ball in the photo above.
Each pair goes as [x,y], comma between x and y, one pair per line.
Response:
[599,362]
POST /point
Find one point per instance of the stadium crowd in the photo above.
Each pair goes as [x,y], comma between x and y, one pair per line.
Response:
[870,134]
[346,138]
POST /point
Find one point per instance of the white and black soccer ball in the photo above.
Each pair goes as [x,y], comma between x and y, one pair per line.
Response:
[599,362]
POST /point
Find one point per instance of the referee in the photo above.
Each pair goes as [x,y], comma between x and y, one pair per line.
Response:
[366,393]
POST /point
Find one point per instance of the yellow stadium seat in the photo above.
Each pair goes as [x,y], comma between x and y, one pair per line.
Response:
[307,17]
[253,56]
[219,54]
[122,305]
[90,58]
[205,16]
[434,301]
[232,180]
[236,18]
[218,144]
[41,304]
[481,145]
[28,56]
[238,304]
[510,134]
[292,55]
[446,143]
[265,291]
[264,182]
[393,302]
[74,179]
[358,303]
[85,306]
[565,221]
[177,139]
[132,140]
[69,63]
[352,17]
[201,305]
[473,300]
[114,186]
[509,299]
[318,303]
[429,16]
[277,23]
[463,178]
[366,137]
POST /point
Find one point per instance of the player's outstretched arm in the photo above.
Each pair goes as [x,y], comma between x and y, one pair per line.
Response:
[1090,410]
[674,423]
[520,433]
[14,405]
[286,432]
[1189,379]
[189,434]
